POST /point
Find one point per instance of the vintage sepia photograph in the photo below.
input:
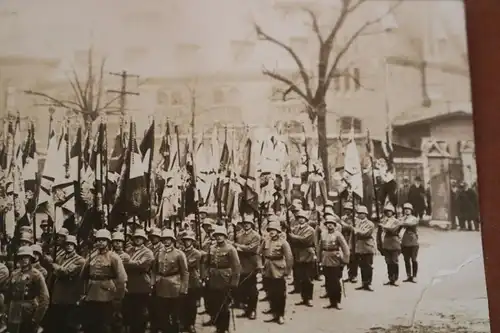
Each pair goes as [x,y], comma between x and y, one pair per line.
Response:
[172,166]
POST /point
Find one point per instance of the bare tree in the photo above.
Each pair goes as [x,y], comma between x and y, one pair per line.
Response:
[88,94]
[329,62]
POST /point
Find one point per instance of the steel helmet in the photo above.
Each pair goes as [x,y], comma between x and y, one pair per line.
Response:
[168,233]
[26,237]
[248,219]
[63,232]
[103,234]
[302,213]
[329,203]
[389,208]
[348,206]
[156,232]
[189,235]
[329,219]
[140,233]
[70,239]
[408,206]
[25,251]
[36,248]
[118,236]
[220,230]
[26,229]
[362,210]
[272,218]
[274,226]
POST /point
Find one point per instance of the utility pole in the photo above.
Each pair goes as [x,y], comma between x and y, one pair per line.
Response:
[123,91]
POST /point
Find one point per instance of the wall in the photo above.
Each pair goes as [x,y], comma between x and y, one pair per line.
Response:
[452,131]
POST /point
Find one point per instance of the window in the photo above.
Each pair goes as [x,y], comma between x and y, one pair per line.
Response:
[346,123]
[356,76]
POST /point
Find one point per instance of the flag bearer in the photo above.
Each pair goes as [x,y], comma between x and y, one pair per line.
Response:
[67,289]
[172,277]
[247,244]
[223,275]
[333,252]
[391,244]
[190,307]
[138,267]
[364,247]
[27,294]
[409,243]
[277,266]
[347,222]
[105,279]
[302,241]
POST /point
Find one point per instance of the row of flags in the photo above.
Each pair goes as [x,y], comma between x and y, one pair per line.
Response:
[85,184]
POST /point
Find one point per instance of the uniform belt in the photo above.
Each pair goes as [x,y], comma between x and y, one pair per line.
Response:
[101,278]
[273,257]
[169,274]
[330,250]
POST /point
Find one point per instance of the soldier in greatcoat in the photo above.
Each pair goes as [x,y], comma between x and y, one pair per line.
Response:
[364,246]
[190,307]
[247,244]
[302,242]
[138,267]
[348,221]
[223,276]
[155,243]
[265,235]
[4,279]
[171,283]
[333,252]
[207,242]
[277,266]
[38,253]
[66,291]
[118,245]
[391,243]
[105,279]
[27,295]
[409,243]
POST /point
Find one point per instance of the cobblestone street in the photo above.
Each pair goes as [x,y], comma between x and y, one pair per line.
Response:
[450,296]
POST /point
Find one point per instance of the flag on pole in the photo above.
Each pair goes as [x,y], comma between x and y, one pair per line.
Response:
[352,166]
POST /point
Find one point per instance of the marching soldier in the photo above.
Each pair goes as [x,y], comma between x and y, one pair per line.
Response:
[223,276]
[247,244]
[347,222]
[391,244]
[155,244]
[302,241]
[190,307]
[206,244]
[364,247]
[38,253]
[138,267]
[105,279]
[26,239]
[172,277]
[333,252]
[277,266]
[118,243]
[28,295]
[67,289]
[296,207]
[409,243]
[60,240]
[155,241]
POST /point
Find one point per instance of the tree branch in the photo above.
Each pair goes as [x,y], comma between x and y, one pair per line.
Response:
[111,101]
[303,73]
[292,86]
[100,89]
[351,40]
[315,25]
[48,97]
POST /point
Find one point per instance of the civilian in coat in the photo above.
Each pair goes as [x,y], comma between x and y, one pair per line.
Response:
[469,210]
[416,196]
[454,204]
[403,191]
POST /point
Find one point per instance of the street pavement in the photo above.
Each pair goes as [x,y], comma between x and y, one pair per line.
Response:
[450,296]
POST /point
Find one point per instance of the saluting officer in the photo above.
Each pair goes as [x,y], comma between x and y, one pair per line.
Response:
[348,221]
[333,252]
[67,289]
[391,243]
[223,275]
[28,295]
[364,247]
[409,243]
[138,268]
[277,266]
[190,307]
[247,244]
[172,277]
[302,241]
[38,253]
[105,279]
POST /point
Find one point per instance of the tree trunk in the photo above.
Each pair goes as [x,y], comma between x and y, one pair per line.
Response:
[323,142]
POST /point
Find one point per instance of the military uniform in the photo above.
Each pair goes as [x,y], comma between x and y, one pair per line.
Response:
[278,261]
[247,244]
[409,243]
[348,221]
[364,247]
[223,275]
[190,307]
[138,268]
[28,297]
[106,278]
[4,280]
[66,291]
[302,241]
[333,252]
[171,282]
[391,244]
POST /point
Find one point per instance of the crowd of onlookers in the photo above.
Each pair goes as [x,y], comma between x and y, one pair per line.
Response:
[464,205]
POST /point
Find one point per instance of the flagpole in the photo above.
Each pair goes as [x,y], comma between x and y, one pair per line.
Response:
[149,178]
[106,175]
[127,174]
[180,213]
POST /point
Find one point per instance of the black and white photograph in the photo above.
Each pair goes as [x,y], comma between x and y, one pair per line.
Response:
[216,166]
